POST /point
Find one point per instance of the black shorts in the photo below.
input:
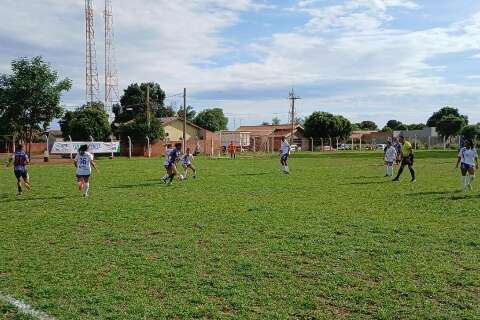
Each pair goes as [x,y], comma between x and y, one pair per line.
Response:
[21,174]
[407,161]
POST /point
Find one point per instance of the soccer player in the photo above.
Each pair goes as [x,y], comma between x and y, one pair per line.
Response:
[84,163]
[232,150]
[20,161]
[168,149]
[284,153]
[398,148]
[407,159]
[390,156]
[187,164]
[468,160]
[171,163]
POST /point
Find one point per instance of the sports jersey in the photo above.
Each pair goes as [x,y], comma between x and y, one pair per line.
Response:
[187,159]
[390,154]
[173,156]
[468,156]
[84,161]
[285,147]
[407,146]
[20,159]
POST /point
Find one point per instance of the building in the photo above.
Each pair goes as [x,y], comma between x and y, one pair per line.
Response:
[370,137]
[264,137]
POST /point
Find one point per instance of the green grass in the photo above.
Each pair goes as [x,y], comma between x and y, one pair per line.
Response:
[332,240]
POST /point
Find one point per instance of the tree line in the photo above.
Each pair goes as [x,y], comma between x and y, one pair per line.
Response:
[30,100]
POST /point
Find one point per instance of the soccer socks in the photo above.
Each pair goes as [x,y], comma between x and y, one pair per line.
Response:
[171,177]
[399,173]
[185,174]
[287,170]
[19,187]
[463,182]
[470,181]
[86,187]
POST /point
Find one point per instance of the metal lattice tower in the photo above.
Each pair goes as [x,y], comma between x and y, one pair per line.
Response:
[91,72]
[111,74]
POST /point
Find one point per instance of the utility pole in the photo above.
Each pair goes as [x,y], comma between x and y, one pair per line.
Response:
[184,120]
[147,106]
[292,97]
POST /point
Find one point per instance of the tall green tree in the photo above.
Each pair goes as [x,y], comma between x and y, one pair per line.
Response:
[471,132]
[450,125]
[443,112]
[368,125]
[327,125]
[89,121]
[211,119]
[133,102]
[30,97]
[190,113]
[139,128]
[394,125]
[416,126]
[276,121]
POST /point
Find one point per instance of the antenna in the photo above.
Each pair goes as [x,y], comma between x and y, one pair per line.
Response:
[111,74]
[91,72]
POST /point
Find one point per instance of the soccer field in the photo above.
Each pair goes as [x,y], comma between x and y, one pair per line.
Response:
[334,239]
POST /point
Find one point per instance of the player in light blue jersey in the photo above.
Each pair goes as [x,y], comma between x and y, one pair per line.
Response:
[20,160]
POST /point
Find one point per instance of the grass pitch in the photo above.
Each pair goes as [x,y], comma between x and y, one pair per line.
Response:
[332,240]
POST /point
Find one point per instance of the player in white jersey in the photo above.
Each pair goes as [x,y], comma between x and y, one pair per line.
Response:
[84,163]
[468,161]
[187,164]
[390,157]
[284,153]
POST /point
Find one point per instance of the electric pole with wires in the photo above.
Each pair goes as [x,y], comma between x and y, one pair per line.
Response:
[184,120]
[292,97]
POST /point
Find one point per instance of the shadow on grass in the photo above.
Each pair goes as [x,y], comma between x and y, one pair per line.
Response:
[27,198]
[138,185]
[365,182]
[249,174]
[429,193]
[466,197]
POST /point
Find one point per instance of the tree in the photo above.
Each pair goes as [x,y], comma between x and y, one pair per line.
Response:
[190,113]
[327,125]
[276,121]
[133,102]
[471,132]
[89,121]
[211,119]
[450,125]
[443,112]
[138,129]
[265,123]
[416,126]
[368,125]
[393,124]
[30,97]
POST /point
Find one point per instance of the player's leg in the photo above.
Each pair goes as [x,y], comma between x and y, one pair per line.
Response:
[19,182]
[185,171]
[173,173]
[287,170]
[400,171]
[26,181]
[470,177]
[410,168]
[194,170]
[386,169]
[463,178]
[86,186]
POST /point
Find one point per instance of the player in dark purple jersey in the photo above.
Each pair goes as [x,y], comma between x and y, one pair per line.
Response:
[171,163]
[20,161]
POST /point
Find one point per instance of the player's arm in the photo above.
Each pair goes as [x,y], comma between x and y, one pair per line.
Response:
[94,164]
[459,158]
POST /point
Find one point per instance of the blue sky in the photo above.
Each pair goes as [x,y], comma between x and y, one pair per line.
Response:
[364,59]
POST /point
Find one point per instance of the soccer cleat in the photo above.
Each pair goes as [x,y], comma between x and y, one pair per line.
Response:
[19,193]
[413,180]
[396,179]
